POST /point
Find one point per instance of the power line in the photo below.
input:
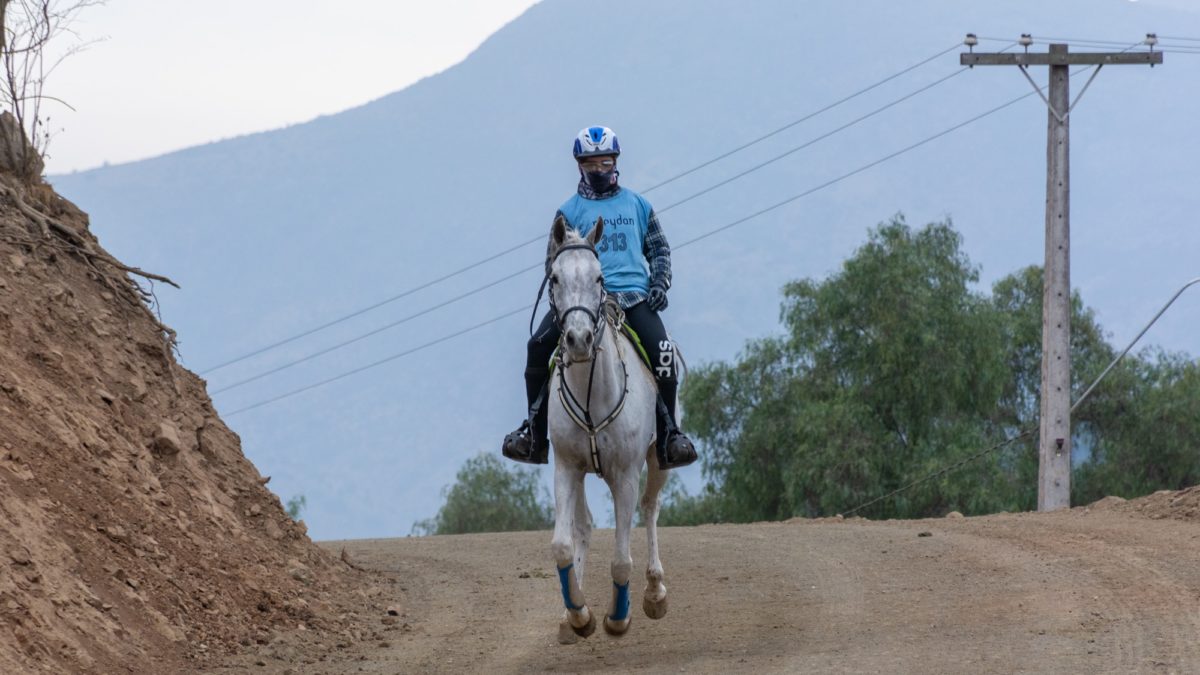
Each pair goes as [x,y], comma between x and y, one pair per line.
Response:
[939,472]
[1161,45]
[364,336]
[822,137]
[510,276]
[380,362]
[859,170]
[1047,40]
[542,237]
[377,305]
[680,246]
[1105,44]
[1166,49]
[807,117]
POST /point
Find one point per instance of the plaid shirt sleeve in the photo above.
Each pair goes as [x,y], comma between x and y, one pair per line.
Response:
[657,252]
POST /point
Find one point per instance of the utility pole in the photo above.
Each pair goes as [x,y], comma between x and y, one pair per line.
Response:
[1054,446]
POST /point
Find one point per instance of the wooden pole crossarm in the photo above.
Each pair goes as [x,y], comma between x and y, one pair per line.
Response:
[1075,59]
[1085,87]
[1059,117]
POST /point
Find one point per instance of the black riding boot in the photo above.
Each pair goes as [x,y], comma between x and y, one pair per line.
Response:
[674,449]
[529,443]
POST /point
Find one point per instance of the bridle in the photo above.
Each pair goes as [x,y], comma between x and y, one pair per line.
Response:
[581,413]
[597,316]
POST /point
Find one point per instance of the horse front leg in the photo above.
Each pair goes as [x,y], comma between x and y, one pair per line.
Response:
[568,491]
[624,488]
[654,601]
[582,532]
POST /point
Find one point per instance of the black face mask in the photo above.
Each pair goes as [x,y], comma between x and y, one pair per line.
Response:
[601,182]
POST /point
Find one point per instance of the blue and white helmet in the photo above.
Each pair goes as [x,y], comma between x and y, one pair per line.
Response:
[594,141]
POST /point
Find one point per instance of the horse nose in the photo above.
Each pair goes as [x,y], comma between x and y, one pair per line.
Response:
[579,339]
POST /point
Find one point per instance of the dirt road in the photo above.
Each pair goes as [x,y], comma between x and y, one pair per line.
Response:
[1071,592]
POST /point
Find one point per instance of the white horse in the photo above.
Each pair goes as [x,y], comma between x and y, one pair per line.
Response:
[601,420]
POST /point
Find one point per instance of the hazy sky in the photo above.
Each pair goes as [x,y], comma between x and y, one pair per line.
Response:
[161,75]
[168,74]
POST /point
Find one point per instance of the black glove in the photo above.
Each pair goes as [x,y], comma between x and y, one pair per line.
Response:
[658,298]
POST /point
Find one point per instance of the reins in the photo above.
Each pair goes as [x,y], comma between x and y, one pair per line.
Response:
[581,414]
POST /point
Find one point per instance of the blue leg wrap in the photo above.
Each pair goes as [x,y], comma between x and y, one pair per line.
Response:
[621,610]
[565,580]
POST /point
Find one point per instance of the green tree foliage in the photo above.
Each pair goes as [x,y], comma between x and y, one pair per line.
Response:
[680,508]
[893,368]
[1143,429]
[676,506]
[488,497]
[889,368]
[1018,301]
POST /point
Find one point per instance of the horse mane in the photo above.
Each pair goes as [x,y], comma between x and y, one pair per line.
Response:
[613,311]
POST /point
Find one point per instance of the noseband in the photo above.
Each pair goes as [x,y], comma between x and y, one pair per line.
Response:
[597,316]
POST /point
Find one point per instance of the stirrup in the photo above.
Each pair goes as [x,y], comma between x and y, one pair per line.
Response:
[675,451]
[520,446]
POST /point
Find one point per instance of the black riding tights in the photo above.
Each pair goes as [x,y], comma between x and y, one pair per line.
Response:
[649,328]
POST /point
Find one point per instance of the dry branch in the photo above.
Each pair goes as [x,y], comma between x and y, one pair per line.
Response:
[27,27]
[47,231]
[48,226]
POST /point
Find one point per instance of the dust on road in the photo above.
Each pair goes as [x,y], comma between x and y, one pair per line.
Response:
[1089,590]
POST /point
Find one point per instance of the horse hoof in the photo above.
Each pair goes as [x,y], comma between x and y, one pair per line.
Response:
[617,628]
[586,629]
[655,610]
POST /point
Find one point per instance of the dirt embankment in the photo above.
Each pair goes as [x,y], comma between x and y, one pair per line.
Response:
[134,534]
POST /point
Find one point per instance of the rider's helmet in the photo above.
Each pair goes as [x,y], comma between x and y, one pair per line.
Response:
[594,141]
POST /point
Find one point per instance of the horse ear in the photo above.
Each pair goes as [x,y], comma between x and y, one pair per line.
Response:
[558,233]
[597,231]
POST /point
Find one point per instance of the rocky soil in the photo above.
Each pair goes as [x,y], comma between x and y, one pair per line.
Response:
[134,534]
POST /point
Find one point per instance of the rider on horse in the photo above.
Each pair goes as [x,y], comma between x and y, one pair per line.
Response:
[636,261]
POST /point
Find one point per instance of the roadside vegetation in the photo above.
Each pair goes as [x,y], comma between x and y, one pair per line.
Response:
[885,372]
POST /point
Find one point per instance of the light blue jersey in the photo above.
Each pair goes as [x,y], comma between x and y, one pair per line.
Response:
[622,248]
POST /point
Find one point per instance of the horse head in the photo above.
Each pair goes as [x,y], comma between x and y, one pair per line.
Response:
[577,288]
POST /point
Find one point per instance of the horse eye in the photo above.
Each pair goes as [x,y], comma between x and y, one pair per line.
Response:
[600,279]
[554,278]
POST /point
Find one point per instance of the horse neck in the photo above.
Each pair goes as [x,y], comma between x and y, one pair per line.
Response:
[608,381]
